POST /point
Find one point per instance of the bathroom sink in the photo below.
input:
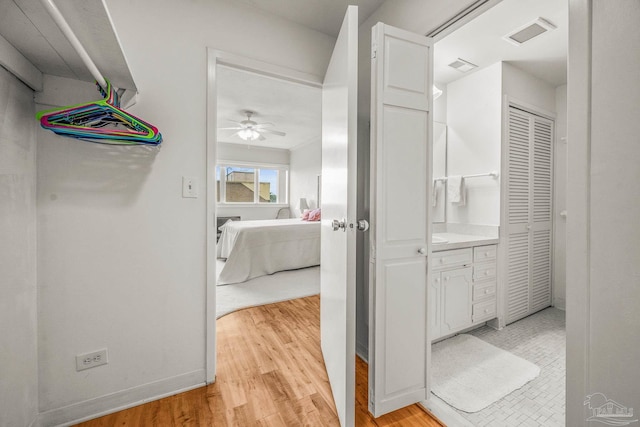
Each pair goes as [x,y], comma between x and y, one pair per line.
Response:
[435,240]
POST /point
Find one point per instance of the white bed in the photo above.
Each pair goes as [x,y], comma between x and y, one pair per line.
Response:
[258,248]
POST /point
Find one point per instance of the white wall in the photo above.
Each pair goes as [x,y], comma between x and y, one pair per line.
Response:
[522,86]
[306,165]
[123,254]
[603,231]
[474,119]
[440,105]
[474,126]
[247,153]
[18,294]
[560,201]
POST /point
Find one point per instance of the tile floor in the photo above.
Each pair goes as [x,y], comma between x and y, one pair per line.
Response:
[540,339]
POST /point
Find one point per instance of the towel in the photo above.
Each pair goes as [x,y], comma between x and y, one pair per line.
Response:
[455,189]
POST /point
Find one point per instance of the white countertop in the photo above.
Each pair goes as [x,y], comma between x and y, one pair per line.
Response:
[458,241]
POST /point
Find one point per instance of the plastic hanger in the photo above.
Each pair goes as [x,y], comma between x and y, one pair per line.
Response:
[100,121]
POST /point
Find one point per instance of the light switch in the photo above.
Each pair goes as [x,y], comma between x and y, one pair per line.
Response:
[189,187]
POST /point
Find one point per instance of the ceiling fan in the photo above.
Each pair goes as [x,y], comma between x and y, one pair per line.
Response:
[249,130]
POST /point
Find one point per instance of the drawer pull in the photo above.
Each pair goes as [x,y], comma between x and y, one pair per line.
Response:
[486,254]
[437,280]
[446,278]
[486,291]
[486,310]
[441,260]
[486,273]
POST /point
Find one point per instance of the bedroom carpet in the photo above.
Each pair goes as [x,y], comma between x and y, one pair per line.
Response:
[282,286]
[470,374]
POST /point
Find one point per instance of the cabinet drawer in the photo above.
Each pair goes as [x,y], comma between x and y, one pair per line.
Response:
[483,311]
[484,291]
[485,253]
[484,271]
[453,257]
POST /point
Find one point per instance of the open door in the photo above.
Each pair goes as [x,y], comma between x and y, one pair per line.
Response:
[399,348]
[338,253]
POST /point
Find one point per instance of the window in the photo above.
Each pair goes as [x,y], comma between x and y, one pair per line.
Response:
[238,183]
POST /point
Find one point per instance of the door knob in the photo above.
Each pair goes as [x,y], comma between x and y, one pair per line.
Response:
[337,224]
[363,225]
[528,226]
[422,251]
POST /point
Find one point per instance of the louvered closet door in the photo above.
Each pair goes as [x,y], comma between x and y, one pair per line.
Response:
[541,221]
[529,180]
[518,214]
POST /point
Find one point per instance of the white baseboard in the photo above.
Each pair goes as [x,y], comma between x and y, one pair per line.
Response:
[114,402]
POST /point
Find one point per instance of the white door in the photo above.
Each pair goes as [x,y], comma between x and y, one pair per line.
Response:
[338,253]
[435,305]
[529,213]
[400,228]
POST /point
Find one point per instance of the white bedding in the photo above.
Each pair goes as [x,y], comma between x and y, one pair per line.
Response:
[257,248]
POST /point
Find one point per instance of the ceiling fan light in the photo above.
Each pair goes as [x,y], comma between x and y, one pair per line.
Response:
[248,134]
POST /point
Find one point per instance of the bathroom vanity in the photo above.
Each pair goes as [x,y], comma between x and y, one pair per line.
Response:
[463,291]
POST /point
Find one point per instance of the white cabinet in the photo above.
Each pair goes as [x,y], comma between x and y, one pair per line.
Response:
[456,300]
[463,289]
[484,284]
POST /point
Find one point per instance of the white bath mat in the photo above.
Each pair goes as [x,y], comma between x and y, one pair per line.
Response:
[470,374]
[277,287]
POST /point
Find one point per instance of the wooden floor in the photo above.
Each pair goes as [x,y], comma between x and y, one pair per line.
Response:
[270,373]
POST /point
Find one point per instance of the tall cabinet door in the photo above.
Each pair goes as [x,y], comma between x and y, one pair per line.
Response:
[528,213]
[400,235]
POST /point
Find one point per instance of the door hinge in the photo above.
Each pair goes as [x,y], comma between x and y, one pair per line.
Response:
[371,397]
[374,51]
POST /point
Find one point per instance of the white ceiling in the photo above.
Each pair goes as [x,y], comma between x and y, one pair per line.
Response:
[321,15]
[480,41]
[27,26]
[293,108]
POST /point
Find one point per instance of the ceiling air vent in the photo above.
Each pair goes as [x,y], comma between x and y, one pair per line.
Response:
[529,31]
[462,65]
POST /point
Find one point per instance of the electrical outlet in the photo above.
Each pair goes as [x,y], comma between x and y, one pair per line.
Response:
[189,187]
[91,360]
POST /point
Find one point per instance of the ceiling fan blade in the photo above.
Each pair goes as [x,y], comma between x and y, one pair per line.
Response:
[275,132]
[261,137]
[234,128]
[263,125]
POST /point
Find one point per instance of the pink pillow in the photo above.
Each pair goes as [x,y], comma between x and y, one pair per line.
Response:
[314,215]
[305,215]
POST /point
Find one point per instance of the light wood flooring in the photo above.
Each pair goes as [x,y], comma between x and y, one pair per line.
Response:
[270,373]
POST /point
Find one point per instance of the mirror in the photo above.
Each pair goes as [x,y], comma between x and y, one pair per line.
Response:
[438,203]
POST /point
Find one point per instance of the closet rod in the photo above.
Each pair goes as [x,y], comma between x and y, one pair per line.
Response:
[68,32]
[493,174]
